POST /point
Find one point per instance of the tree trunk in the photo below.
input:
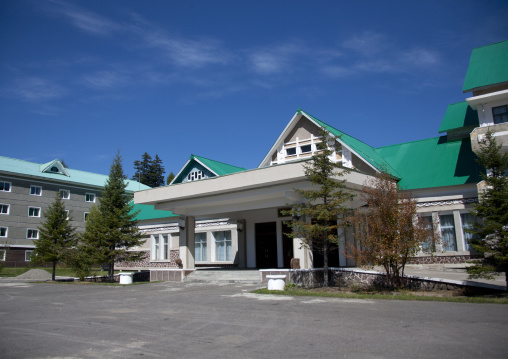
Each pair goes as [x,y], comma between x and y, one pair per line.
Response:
[325,263]
[53,275]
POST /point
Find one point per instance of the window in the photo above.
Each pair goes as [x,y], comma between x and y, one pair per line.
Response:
[155,247]
[65,194]
[200,247]
[500,114]
[5,186]
[55,169]
[86,215]
[34,212]
[195,175]
[165,246]
[448,233]
[28,255]
[3,232]
[4,208]
[90,197]
[3,253]
[35,190]
[32,234]
[291,151]
[468,221]
[222,245]
[306,148]
[429,244]
[67,211]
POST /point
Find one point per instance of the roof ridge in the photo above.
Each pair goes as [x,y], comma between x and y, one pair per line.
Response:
[495,43]
[209,159]
[403,143]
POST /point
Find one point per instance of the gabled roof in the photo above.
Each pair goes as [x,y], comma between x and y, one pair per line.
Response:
[149,212]
[55,164]
[459,115]
[43,171]
[433,162]
[356,146]
[488,66]
[216,167]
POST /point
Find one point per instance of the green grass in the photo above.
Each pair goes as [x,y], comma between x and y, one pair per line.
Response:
[380,295]
[60,272]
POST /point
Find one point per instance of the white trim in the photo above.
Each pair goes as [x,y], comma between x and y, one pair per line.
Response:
[35,194]
[68,192]
[31,251]
[39,212]
[90,193]
[181,170]
[205,166]
[8,209]
[32,229]
[10,186]
[38,180]
[17,246]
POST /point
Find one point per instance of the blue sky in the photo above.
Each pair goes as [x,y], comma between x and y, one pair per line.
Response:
[221,79]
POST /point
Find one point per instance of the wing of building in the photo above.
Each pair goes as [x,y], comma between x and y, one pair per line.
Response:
[28,188]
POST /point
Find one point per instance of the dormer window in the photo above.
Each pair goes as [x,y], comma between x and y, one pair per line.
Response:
[291,151]
[500,114]
[195,175]
[306,148]
[55,169]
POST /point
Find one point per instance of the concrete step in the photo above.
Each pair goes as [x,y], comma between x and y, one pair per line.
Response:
[224,276]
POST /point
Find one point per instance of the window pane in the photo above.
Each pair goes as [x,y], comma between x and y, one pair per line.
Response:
[165,246]
[467,223]
[448,233]
[306,148]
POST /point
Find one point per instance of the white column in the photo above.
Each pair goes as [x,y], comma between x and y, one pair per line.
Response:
[187,227]
[458,231]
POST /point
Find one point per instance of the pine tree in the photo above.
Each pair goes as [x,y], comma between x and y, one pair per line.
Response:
[324,205]
[171,176]
[157,172]
[111,229]
[491,229]
[149,171]
[56,236]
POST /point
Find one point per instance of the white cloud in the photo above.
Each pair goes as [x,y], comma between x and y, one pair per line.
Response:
[104,79]
[35,89]
[368,43]
[420,57]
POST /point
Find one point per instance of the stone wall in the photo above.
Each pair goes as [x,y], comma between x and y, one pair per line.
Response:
[441,259]
[145,261]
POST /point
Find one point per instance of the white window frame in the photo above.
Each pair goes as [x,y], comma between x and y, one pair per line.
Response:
[464,244]
[67,211]
[6,232]
[206,247]
[30,252]
[35,187]
[160,251]
[36,231]
[65,191]
[3,255]
[8,209]
[447,213]
[91,194]
[214,241]
[38,213]
[3,189]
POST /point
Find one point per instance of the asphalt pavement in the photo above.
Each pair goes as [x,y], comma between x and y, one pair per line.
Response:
[179,320]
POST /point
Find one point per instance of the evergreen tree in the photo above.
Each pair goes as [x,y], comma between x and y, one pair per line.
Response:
[171,176]
[63,163]
[149,171]
[324,205]
[56,236]
[110,228]
[491,229]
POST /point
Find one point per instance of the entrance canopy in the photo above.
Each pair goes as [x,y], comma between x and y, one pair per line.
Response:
[232,194]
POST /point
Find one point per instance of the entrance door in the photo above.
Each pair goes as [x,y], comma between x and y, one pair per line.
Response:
[266,245]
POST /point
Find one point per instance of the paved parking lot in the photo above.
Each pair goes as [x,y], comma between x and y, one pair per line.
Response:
[175,320]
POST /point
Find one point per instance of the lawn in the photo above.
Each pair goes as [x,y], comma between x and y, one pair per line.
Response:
[436,296]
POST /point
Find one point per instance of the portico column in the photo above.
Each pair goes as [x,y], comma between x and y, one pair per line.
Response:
[242,251]
[187,226]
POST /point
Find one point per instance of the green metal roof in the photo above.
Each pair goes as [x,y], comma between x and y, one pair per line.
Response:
[459,115]
[433,162]
[148,212]
[32,169]
[488,65]
[367,152]
[217,168]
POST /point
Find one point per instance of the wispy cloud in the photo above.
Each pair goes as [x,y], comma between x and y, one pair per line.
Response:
[84,20]
[367,43]
[275,59]
[34,89]
[104,79]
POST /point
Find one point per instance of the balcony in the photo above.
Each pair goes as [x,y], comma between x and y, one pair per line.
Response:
[500,132]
